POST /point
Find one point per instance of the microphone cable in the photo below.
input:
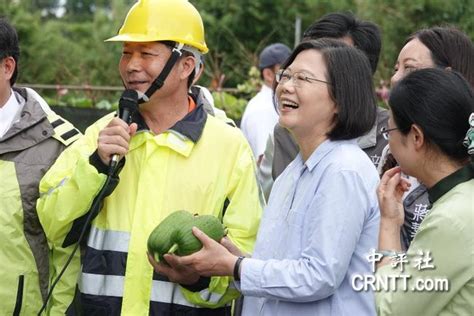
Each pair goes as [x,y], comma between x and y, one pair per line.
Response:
[128,104]
[94,209]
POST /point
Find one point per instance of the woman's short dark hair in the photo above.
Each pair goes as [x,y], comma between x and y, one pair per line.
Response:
[439,101]
[351,86]
[9,46]
[449,47]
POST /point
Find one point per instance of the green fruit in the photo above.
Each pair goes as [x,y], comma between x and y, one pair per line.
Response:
[160,239]
[174,234]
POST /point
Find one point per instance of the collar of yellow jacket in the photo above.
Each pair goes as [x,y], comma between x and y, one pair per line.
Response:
[181,137]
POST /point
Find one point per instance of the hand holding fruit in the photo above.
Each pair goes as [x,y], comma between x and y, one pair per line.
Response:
[176,234]
[212,260]
[175,272]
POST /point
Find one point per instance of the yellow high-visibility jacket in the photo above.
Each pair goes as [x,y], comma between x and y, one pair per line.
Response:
[201,165]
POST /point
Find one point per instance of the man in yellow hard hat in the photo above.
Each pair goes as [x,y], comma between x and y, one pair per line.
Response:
[175,157]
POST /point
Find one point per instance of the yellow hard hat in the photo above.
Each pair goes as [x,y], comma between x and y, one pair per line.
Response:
[163,20]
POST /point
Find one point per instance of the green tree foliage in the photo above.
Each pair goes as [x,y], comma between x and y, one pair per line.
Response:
[67,50]
[62,40]
[400,18]
[237,30]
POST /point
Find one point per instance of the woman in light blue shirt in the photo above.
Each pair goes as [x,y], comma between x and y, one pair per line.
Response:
[322,218]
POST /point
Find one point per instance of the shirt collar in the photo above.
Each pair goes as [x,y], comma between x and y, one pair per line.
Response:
[325,148]
[464,174]
[266,89]
[190,126]
[8,113]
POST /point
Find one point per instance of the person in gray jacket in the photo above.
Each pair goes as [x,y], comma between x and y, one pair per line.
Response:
[31,138]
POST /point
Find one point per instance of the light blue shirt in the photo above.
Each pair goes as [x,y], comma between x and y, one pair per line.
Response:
[321,221]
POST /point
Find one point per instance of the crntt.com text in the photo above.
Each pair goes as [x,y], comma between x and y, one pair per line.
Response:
[403,282]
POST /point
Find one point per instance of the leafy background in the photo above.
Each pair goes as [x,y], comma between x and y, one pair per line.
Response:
[62,40]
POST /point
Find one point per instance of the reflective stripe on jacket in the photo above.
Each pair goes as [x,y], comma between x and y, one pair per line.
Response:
[27,151]
[201,165]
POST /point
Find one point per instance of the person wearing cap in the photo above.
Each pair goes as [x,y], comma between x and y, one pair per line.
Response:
[174,156]
[260,115]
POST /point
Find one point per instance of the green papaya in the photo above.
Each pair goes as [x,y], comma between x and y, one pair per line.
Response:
[161,238]
[174,234]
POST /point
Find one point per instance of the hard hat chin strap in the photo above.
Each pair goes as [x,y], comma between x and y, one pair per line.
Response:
[160,80]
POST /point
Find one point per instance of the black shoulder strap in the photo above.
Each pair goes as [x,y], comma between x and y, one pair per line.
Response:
[160,80]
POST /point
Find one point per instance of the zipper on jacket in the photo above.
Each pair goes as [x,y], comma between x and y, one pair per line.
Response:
[19,296]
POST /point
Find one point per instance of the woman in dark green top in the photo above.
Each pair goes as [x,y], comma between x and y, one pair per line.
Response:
[429,119]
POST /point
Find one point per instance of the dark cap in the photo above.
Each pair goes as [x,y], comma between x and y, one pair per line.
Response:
[273,54]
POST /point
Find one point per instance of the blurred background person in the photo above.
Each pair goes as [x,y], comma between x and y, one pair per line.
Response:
[204,96]
[260,116]
[383,92]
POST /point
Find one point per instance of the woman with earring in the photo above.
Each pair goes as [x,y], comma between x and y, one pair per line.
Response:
[435,47]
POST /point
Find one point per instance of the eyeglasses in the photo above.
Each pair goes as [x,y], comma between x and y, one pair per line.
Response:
[385,132]
[298,78]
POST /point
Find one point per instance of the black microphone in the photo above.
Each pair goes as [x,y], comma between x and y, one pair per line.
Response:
[128,105]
